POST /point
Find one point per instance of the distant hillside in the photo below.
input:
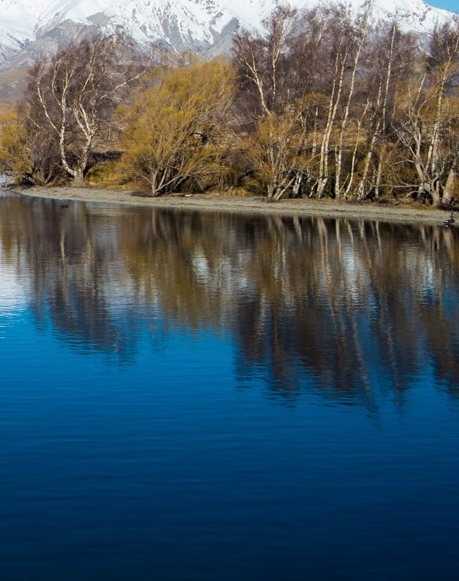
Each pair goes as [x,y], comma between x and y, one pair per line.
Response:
[32,27]
[11,85]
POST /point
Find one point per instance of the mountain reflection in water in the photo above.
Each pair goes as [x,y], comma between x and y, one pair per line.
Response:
[342,307]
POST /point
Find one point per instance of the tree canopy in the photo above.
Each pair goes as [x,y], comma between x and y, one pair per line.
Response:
[172,133]
[320,104]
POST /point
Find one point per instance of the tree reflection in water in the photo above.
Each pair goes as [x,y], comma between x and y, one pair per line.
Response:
[347,308]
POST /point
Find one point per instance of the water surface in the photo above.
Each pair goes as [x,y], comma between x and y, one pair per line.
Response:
[190,396]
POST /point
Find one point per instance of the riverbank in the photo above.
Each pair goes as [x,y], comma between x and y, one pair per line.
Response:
[385,212]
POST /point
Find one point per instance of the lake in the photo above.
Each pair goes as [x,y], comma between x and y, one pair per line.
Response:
[215,397]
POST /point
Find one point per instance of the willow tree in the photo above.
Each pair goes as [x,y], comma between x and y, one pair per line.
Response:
[14,146]
[172,134]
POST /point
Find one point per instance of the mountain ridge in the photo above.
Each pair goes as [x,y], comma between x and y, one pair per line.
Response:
[29,28]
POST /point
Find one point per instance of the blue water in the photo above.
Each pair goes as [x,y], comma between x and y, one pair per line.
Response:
[149,435]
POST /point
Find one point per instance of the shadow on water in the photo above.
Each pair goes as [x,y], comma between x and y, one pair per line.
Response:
[346,309]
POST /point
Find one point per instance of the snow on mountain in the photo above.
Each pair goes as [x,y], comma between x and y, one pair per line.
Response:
[36,25]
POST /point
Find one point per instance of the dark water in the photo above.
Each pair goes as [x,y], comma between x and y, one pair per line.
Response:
[219,397]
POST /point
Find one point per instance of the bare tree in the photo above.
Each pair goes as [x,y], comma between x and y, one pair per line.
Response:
[355,37]
[70,100]
[391,58]
[261,61]
[427,117]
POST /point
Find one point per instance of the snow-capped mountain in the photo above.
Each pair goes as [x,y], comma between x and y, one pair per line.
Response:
[30,27]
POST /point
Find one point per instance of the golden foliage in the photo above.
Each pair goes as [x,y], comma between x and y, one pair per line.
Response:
[172,129]
[14,157]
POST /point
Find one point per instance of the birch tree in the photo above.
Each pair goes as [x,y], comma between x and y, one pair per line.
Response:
[427,117]
[274,72]
[392,58]
[343,42]
[70,100]
[356,36]
[260,63]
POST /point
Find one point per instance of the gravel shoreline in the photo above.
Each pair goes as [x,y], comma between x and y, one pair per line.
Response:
[238,204]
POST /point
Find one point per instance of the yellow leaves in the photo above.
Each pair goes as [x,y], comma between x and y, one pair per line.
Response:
[277,149]
[13,143]
[170,128]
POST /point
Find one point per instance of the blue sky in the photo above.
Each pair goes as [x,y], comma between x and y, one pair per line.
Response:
[452,5]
